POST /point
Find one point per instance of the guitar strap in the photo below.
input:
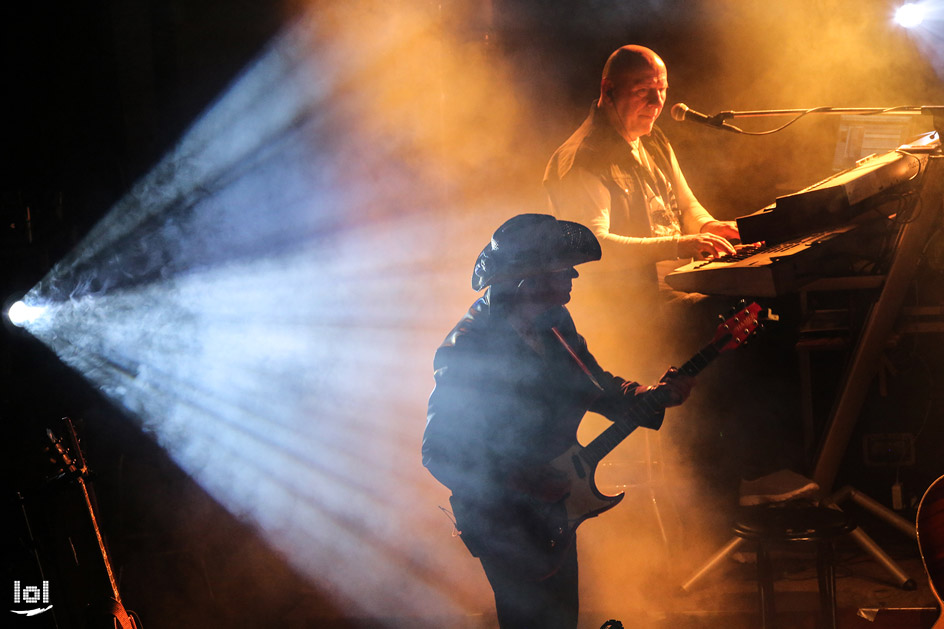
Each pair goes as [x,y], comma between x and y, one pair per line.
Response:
[573,354]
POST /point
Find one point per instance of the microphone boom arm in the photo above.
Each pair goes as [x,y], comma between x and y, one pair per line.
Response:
[719,119]
[935,110]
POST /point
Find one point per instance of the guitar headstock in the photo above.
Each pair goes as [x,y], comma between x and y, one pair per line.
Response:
[66,458]
[736,329]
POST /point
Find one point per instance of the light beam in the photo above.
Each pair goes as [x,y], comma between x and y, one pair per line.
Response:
[248,302]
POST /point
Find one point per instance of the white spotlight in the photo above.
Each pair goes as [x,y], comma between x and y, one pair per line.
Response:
[20,314]
[910,15]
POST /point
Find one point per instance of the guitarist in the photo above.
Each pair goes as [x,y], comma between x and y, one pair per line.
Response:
[513,381]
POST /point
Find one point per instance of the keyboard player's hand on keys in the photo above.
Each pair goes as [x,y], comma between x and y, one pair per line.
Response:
[748,248]
[741,252]
[704,246]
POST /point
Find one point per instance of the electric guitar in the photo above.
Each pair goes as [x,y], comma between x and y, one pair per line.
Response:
[532,535]
[930,525]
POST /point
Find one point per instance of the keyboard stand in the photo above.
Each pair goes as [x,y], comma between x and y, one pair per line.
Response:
[880,324]
[862,368]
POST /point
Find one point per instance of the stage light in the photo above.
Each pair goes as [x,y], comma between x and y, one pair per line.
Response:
[924,23]
[911,15]
[20,314]
[17,314]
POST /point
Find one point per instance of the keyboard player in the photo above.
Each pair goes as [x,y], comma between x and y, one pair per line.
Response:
[618,175]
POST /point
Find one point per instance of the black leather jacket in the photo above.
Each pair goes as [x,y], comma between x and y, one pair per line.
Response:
[500,407]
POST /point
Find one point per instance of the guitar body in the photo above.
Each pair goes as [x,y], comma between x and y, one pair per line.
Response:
[584,500]
[930,525]
[530,535]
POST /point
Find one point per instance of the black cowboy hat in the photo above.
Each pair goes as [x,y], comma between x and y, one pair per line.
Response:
[531,244]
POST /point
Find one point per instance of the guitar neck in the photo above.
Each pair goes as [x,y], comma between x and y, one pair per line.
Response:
[605,442]
[702,359]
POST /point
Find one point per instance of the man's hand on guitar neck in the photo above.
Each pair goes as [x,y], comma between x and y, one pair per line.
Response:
[673,388]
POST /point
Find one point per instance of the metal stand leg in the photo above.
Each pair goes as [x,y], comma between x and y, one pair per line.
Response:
[826,575]
[765,587]
[868,544]
[650,482]
[876,509]
[715,559]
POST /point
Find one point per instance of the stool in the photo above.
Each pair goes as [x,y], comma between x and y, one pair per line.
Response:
[769,525]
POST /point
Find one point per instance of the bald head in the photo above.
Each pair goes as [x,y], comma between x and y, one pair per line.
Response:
[629,59]
[633,89]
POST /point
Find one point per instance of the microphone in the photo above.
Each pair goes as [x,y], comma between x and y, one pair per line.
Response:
[681,112]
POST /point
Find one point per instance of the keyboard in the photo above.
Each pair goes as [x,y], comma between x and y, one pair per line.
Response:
[766,271]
